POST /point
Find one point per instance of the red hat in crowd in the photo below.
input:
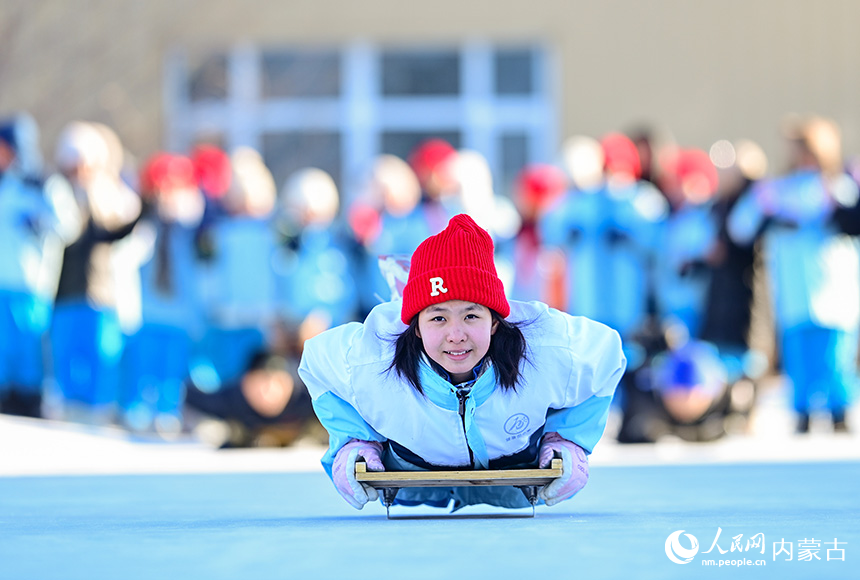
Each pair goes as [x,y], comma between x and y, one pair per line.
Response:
[455,264]
[212,170]
[429,156]
[164,172]
[539,184]
[621,155]
[697,164]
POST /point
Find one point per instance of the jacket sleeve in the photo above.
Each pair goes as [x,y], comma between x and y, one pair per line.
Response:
[598,365]
[747,218]
[325,370]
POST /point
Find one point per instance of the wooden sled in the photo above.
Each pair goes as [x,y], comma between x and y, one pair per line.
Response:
[529,481]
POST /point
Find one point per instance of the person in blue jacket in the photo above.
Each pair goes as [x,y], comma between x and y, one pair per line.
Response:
[454,376]
[38,218]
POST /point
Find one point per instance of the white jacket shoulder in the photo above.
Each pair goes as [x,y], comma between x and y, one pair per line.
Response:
[329,359]
[545,326]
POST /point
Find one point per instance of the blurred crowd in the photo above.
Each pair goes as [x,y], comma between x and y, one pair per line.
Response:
[176,293]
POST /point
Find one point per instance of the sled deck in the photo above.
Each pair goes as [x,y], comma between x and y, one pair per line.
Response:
[389,482]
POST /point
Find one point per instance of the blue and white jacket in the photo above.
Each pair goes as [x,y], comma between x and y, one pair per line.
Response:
[566,386]
[813,269]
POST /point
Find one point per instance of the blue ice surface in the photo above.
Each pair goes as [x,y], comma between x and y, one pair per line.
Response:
[294,525]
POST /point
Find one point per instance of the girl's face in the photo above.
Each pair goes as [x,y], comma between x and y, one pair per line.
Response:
[456,335]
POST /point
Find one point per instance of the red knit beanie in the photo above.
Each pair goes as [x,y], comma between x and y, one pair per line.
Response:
[455,264]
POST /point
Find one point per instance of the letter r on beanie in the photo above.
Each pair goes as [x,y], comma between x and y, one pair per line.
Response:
[437,286]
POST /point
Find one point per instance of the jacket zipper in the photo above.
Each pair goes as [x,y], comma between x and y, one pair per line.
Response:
[462,394]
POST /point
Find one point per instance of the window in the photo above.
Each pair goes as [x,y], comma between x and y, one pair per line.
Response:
[513,72]
[287,74]
[337,108]
[208,79]
[414,74]
[514,153]
[285,153]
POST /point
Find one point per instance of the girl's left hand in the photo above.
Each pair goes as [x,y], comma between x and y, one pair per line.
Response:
[574,468]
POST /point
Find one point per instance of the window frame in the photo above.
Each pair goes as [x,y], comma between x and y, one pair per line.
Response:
[361,113]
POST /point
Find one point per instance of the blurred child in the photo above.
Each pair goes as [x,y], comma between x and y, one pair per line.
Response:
[688,238]
[158,354]
[729,302]
[813,268]
[682,392]
[537,188]
[316,289]
[477,196]
[434,164]
[238,282]
[38,217]
[607,231]
[214,176]
[267,406]
[396,227]
[86,335]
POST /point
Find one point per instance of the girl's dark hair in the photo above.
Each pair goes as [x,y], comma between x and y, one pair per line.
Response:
[507,351]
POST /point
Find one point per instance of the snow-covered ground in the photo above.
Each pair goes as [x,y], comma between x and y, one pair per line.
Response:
[41,447]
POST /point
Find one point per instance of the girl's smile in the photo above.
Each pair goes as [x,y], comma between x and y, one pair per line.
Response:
[456,334]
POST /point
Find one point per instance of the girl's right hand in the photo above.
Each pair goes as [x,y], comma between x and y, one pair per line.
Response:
[343,471]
